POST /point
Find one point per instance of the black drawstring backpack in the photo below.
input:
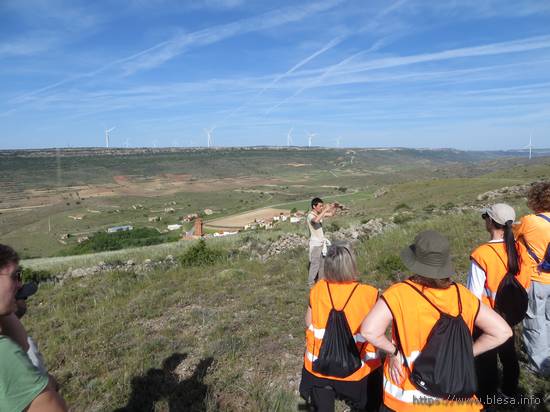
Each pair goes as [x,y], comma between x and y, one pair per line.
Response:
[445,367]
[511,300]
[338,355]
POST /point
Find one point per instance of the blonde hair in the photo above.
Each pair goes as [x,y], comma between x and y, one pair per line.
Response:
[340,264]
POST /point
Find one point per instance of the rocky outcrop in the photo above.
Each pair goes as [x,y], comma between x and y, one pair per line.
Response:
[367,230]
[128,266]
[507,191]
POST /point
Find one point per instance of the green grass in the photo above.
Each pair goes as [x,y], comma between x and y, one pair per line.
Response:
[104,336]
[230,335]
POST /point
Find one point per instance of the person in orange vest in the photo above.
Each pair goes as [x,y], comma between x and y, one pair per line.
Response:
[340,290]
[413,308]
[533,231]
[490,262]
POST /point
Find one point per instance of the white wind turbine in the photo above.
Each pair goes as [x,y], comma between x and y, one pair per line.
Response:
[530,147]
[108,136]
[338,139]
[310,137]
[209,142]
[289,137]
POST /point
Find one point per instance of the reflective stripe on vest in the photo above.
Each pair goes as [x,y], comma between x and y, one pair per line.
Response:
[415,321]
[320,333]
[367,356]
[356,309]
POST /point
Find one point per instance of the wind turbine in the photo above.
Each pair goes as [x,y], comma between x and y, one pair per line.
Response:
[209,136]
[108,135]
[530,147]
[310,137]
[289,137]
[338,141]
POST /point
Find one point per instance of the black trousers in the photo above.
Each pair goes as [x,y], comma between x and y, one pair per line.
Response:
[321,394]
[487,370]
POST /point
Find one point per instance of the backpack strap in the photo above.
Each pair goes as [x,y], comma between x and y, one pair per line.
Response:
[424,296]
[529,250]
[498,254]
[349,297]
[430,302]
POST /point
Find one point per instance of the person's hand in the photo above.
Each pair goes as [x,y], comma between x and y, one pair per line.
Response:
[396,368]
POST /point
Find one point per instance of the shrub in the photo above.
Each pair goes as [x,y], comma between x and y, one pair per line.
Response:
[402,206]
[342,189]
[333,227]
[430,208]
[200,254]
[37,276]
[103,241]
[391,266]
[293,210]
[402,218]
[448,206]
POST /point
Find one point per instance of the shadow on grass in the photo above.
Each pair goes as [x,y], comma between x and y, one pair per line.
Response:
[163,385]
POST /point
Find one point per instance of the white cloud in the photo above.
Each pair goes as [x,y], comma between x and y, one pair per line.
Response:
[171,48]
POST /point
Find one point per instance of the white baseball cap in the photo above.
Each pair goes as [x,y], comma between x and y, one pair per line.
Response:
[500,213]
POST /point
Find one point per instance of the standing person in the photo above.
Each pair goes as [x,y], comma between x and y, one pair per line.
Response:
[340,290]
[490,263]
[534,232]
[317,241]
[414,308]
[22,386]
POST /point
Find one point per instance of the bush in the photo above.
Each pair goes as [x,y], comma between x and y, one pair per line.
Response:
[448,206]
[402,218]
[103,241]
[342,189]
[37,276]
[333,227]
[402,206]
[200,254]
[293,210]
[390,265]
[430,208]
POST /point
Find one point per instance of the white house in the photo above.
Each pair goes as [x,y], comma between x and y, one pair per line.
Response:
[174,227]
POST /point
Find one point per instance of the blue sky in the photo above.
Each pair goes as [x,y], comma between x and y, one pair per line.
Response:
[469,74]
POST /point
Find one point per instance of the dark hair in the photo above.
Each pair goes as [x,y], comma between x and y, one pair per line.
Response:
[538,198]
[7,255]
[431,283]
[316,201]
[510,245]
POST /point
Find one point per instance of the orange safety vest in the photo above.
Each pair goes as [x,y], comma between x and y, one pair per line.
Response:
[415,319]
[361,302]
[493,259]
[534,232]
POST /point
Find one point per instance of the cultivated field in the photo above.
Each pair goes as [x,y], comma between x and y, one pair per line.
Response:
[240,220]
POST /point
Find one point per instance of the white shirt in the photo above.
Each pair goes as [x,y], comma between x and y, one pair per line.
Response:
[316,235]
[477,276]
[35,356]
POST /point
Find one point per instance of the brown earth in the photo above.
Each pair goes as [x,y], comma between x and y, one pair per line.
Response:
[242,219]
